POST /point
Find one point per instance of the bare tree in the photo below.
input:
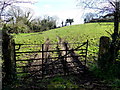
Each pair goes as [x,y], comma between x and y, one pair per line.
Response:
[100,6]
[18,14]
[4,4]
[89,16]
[104,7]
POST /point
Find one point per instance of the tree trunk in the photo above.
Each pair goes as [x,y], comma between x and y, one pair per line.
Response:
[113,47]
[116,25]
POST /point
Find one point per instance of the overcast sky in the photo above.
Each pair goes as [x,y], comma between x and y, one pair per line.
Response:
[63,9]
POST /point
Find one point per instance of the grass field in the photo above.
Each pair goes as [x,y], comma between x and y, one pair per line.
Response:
[74,33]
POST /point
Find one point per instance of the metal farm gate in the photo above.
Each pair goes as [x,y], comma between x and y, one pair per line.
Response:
[48,60]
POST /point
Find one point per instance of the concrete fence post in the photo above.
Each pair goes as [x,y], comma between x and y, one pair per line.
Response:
[8,58]
[103,51]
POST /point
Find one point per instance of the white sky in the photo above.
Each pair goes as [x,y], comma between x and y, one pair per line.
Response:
[63,9]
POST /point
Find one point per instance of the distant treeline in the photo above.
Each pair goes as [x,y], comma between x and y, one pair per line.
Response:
[100,20]
[106,18]
[24,26]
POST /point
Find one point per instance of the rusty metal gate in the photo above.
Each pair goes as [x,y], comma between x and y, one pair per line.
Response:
[47,60]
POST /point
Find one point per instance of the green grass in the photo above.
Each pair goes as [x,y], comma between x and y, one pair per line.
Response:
[61,83]
[74,33]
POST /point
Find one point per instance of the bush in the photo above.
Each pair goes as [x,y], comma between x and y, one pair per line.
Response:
[110,73]
[17,28]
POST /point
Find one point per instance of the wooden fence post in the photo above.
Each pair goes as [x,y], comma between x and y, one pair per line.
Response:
[103,52]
